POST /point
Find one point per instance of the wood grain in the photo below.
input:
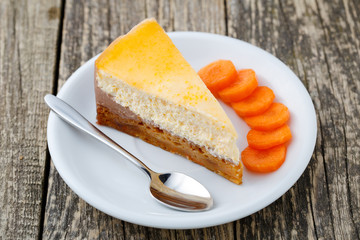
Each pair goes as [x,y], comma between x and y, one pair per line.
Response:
[325,201]
[319,40]
[39,49]
[28,35]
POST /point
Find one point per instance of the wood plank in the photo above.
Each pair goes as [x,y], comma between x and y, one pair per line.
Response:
[88,27]
[340,113]
[319,40]
[28,36]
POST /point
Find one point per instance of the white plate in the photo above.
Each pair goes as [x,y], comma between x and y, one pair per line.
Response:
[111,184]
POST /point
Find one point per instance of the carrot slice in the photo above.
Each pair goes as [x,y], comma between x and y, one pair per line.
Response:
[276,116]
[218,75]
[268,139]
[258,102]
[263,161]
[240,89]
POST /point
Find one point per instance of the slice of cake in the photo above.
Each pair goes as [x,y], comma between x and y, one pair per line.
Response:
[144,87]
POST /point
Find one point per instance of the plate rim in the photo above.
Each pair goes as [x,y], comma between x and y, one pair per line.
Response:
[144,221]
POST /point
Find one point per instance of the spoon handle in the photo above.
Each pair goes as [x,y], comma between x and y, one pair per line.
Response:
[70,115]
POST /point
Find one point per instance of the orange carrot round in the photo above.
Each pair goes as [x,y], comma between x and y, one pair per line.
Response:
[242,88]
[218,75]
[276,116]
[268,139]
[258,102]
[263,161]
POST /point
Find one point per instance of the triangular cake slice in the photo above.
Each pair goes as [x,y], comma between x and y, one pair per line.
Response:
[144,87]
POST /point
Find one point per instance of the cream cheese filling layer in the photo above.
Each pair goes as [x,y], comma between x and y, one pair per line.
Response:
[199,128]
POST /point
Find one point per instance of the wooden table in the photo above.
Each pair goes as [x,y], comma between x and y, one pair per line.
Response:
[43,42]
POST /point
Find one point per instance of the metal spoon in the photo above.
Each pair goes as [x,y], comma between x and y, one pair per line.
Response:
[175,190]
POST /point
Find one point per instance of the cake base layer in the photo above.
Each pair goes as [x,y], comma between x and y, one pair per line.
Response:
[111,114]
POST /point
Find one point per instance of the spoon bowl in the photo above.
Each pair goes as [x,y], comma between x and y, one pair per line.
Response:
[175,190]
[181,192]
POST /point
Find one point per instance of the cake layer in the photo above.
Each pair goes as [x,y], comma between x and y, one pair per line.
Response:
[109,113]
[146,59]
[185,122]
[144,71]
